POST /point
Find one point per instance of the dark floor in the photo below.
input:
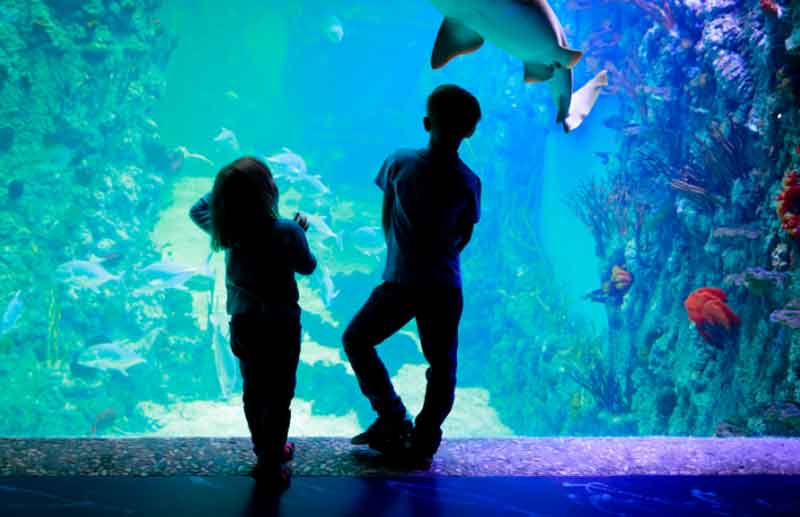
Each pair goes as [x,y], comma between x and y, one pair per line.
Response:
[434,497]
[480,477]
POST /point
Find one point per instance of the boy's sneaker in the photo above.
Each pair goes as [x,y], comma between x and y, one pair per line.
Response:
[387,437]
[419,460]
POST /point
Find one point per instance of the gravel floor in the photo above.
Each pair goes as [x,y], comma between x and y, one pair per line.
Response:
[469,457]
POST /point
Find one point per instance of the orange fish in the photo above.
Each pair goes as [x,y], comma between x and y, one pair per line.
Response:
[713,318]
[622,279]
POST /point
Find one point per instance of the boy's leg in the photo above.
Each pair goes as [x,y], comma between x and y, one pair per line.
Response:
[387,310]
[438,316]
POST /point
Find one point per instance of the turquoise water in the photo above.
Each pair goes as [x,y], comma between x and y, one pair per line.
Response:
[121,113]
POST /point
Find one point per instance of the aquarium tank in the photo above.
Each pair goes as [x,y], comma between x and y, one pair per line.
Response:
[636,275]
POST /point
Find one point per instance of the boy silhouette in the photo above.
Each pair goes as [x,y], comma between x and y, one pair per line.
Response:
[431,201]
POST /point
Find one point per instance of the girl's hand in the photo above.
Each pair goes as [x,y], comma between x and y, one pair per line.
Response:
[301,220]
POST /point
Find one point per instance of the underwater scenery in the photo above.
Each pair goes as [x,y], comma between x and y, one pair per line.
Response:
[634,270]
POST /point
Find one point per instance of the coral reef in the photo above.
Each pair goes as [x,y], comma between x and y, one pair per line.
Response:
[720,146]
[78,80]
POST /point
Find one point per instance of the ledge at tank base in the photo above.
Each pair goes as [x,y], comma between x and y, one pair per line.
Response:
[467,457]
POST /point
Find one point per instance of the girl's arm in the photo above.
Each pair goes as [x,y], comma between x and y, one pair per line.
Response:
[301,259]
[201,213]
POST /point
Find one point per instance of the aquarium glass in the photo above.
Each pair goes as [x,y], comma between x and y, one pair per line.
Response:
[583,309]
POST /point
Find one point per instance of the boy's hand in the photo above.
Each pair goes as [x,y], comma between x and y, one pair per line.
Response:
[301,220]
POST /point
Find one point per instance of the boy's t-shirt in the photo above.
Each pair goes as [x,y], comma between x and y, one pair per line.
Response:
[432,204]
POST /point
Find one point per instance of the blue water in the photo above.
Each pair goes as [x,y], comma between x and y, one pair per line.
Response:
[341,84]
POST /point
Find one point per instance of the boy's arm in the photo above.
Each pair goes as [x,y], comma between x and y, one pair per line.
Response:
[382,179]
[472,217]
[200,213]
[301,259]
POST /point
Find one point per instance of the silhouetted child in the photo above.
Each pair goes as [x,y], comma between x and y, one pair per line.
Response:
[262,254]
[431,202]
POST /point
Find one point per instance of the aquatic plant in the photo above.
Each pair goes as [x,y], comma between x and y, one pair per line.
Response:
[598,378]
[660,11]
[52,349]
[723,157]
[604,208]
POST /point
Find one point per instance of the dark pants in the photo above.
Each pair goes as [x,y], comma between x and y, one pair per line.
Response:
[268,348]
[389,307]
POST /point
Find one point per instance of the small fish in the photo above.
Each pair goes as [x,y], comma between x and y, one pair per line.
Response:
[110,356]
[329,292]
[152,123]
[413,336]
[584,100]
[170,275]
[334,30]
[620,278]
[196,156]
[117,355]
[227,137]
[370,241]
[15,189]
[232,95]
[85,274]
[315,182]
[288,161]
[604,156]
[103,420]
[320,226]
[617,123]
[632,129]
[110,259]
[12,313]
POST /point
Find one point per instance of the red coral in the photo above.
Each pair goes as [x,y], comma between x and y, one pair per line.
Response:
[788,204]
[771,7]
[710,314]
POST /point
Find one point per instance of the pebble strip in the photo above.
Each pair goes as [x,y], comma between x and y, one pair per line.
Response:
[467,457]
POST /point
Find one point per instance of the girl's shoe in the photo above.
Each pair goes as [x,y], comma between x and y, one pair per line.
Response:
[288,452]
[273,479]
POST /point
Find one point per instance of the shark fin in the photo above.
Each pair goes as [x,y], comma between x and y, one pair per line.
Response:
[568,57]
[584,100]
[454,39]
[537,73]
[561,88]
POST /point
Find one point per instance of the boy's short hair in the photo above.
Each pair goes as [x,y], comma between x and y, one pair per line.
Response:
[454,109]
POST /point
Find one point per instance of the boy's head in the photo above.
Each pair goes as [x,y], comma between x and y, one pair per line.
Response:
[452,113]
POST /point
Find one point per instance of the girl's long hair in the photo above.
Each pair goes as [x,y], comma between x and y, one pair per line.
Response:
[244,198]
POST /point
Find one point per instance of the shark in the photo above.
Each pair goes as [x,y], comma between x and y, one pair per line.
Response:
[527,29]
